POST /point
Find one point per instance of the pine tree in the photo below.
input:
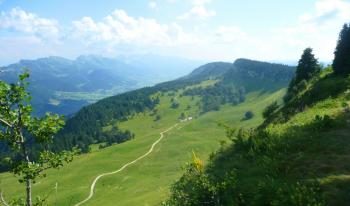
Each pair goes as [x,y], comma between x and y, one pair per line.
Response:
[341,63]
[307,66]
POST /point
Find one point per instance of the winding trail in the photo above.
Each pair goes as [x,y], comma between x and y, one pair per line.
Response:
[3,200]
[92,188]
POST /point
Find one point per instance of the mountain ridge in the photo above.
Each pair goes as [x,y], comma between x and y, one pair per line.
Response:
[57,82]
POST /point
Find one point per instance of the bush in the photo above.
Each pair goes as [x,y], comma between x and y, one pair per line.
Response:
[158,117]
[248,115]
[324,123]
[175,105]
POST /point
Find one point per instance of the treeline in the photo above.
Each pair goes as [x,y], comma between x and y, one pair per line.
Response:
[257,75]
[213,97]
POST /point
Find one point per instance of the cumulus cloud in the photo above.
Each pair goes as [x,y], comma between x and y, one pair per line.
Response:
[120,28]
[21,21]
[198,11]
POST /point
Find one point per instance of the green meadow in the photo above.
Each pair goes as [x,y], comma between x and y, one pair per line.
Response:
[148,181]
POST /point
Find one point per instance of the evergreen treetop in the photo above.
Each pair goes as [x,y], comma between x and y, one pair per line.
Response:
[341,63]
[307,66]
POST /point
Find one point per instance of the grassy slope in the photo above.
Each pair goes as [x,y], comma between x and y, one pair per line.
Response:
[301,149]
[148,181]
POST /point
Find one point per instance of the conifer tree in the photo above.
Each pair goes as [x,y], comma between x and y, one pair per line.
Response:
[341,63]
[307,66]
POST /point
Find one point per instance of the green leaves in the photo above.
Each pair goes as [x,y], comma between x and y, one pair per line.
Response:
[44,128]
[27,135]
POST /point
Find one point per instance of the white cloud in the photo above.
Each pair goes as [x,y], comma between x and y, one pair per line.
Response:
[198,11]
[318,29]
[153,5]
[328,10]
[120,28]
[21,21]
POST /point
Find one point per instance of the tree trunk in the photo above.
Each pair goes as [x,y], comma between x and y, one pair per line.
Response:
[29,192]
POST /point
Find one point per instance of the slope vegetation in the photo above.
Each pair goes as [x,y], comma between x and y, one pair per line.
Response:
[298,156]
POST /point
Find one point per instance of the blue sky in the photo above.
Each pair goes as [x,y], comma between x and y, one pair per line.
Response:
[211,30]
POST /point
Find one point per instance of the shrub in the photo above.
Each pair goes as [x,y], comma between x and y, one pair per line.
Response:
[175,105]
[324,123]
[158,117]
[248,115]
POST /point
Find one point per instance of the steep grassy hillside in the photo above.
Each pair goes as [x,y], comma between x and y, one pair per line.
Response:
[148,181]
[298,156]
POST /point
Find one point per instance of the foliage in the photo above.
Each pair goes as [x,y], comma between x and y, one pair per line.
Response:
[196,188]
[248,115]
[257,75]
[158,117]
[175,105]
[215,96]
[307,68]
[116,135]
[341,63]
[269,110]
[85,127]
[22,132]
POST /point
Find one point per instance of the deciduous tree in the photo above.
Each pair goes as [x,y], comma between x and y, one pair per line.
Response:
[28,137]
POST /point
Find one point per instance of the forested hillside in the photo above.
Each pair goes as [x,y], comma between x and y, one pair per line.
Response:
[85,127]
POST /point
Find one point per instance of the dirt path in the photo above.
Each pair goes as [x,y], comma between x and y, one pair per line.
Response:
[2,200]
[123,167]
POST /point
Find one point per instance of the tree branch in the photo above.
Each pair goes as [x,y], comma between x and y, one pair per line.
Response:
[6,123]
[3,200]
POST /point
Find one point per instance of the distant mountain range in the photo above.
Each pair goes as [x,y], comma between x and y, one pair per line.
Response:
[64,86]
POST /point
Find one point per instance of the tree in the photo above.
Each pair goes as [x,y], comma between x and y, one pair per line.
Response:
[29,138]
[269,110]
[182,116]
[307,66]
[341,63]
